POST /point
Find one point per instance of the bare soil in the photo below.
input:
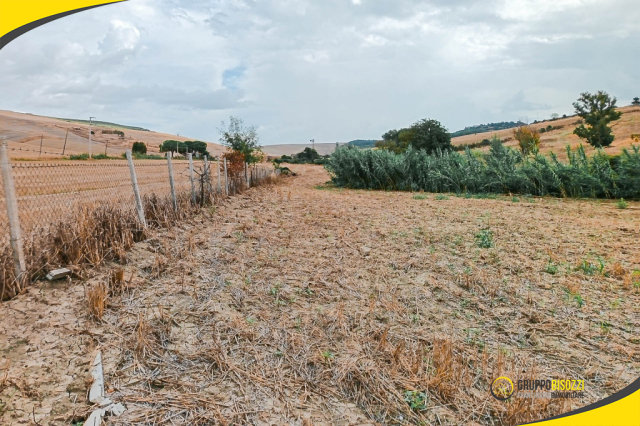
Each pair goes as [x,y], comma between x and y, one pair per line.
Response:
[302,304]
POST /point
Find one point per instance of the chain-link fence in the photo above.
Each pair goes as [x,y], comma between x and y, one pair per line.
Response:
[50,194]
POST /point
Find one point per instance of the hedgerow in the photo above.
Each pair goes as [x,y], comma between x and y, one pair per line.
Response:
[502,170]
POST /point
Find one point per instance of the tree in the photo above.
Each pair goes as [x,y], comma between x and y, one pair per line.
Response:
[196,146]
[241,139]
[555,116]
[430,136]
[309,155]
[636,101]
[597,111]
[171,146]
[139,148]
[528,139]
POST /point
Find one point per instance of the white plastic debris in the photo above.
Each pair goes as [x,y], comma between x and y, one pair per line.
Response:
[96,395]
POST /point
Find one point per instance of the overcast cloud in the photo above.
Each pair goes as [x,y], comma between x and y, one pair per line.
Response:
[333,70]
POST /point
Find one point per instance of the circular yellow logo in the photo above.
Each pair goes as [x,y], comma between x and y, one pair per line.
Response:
[502,388]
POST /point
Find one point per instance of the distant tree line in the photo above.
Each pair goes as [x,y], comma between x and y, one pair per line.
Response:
[307,156]
[184,147]
[363,143]
[490,127]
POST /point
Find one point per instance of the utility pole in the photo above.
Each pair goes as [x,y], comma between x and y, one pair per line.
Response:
[40,145]
[65,142]
[90,118]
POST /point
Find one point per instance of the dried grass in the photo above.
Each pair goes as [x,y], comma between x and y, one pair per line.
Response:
[98,233]
[97,300]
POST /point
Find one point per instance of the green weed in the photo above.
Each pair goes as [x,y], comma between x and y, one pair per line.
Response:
[416,400]
[484,238]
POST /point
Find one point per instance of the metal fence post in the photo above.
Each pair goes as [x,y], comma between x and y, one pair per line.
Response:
[136,190]
[12,211]
[226,179]
[172,183]
[193,185]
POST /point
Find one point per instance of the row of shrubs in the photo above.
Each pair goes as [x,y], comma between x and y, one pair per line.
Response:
[501,170]
[136,156]
[308,156]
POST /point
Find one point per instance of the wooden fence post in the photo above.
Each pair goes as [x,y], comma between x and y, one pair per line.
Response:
[219,180]
[226,179]
[207,179]
[172,183]
[246,176]
[136,189]
[193,184]
[12,211]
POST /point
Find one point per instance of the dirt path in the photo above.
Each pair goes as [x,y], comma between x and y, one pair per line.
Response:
[298,305]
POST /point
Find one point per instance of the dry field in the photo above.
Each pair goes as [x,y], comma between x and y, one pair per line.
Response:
[24,131]
[48,192]
[556,140]
[300,304]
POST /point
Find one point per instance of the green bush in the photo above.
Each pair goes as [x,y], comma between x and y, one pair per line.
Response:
[500,171]
[139,148]
[79,157]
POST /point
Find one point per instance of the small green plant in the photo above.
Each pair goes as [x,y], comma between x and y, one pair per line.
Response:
[416,400]
[587,268]
[578,300]
[279,354]
[551,268]
[327,355]
[251,320]
[622,204]
[275,290]
[415,318]
[515,199]
[484,238]
[605,327]
[420,197]
[441,197]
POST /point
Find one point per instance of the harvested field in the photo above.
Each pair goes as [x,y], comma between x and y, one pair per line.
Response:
[301,304]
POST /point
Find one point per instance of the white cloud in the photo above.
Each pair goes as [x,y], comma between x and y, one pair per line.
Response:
[302,69]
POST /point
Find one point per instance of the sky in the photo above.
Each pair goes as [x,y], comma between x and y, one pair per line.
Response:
[329,70]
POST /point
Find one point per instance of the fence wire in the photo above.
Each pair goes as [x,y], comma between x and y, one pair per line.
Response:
[48,192]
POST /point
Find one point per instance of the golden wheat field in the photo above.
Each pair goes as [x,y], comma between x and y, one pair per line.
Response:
[302,304]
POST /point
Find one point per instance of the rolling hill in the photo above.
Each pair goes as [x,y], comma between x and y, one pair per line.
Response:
[24,133]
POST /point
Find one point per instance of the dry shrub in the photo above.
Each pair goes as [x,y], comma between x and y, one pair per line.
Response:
[159,212]
[97,300]
[116,281]
[235,171]
[90,236]
[10,286]
[448,370]
[617,270]
[144,338]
